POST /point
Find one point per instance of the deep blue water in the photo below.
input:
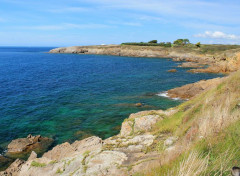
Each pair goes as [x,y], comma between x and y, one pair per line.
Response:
[69,96]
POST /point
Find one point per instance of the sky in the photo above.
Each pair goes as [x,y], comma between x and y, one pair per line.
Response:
[91,22]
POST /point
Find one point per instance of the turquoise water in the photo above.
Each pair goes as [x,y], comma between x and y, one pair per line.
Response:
[69,96]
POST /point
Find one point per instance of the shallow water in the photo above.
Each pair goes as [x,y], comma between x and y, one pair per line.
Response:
[70,96]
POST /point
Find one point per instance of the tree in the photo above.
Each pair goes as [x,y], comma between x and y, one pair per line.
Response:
[198,44]
[153,41]
[186,41]
[181,42]
[168,44]
[178,42]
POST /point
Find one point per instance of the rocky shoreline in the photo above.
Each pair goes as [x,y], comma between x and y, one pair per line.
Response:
[131,151]
[134,148]
[94,156]
[217,62]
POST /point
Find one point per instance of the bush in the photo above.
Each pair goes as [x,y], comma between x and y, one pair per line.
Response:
[153,41]
[198,44]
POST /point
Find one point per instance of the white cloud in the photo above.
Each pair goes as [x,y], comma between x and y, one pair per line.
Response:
[217,35]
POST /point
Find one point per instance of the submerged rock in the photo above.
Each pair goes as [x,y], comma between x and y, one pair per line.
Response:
[172,70]
[139,105]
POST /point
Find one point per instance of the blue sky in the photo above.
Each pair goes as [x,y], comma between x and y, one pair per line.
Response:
[88,22]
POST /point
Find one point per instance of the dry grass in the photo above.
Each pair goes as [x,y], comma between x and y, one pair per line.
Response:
[212,118]
[194,164]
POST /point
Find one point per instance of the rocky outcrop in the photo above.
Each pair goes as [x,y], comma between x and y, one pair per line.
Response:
[66,149]
[14,169]
[28,144]
[93,156]
[140,122]
[224,64]
[191,65]
[190,90]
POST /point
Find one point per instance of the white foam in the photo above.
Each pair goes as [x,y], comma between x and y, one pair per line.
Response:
[176,98]
[163,94]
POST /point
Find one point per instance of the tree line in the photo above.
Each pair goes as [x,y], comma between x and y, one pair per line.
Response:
[178,42]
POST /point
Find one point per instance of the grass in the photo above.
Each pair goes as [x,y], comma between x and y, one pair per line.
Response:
[168,124]
[37,164]
[59,171]
[85,155]
[208,131]
[53,162]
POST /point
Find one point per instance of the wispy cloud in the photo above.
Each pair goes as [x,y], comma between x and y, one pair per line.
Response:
[2,19]
[217,35]
[69,9]
[121,23]
[211,11]
[151,18]
[65,26]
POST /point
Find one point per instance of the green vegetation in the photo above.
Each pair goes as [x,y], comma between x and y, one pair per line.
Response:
[53,162]
[181,45]
[85,155]
[181,42]
[211,49]
[37,164]
[163,44]
[153,41]
[198,44]
[59,171]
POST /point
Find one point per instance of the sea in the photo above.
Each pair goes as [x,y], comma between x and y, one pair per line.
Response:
[69,97]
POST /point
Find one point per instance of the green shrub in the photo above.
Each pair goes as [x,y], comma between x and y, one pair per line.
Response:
[153,41]
[198,44]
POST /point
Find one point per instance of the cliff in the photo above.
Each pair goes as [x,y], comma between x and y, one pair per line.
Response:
[197,137]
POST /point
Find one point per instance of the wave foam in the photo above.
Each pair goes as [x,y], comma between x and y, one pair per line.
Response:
[163,94]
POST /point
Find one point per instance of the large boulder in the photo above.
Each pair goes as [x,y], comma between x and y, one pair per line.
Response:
[67,150]
[140,122]
[106,163]
[88,144]
[28,144]
[59,152]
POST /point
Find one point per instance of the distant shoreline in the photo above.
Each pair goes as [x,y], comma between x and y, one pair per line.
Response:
[218,58]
